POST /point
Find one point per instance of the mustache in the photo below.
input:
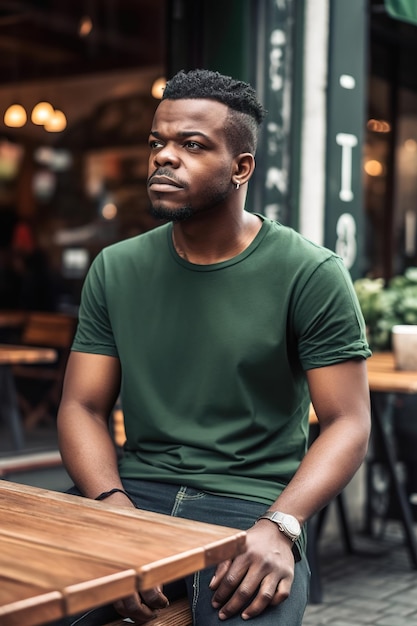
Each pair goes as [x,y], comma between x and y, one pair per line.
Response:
[163,171]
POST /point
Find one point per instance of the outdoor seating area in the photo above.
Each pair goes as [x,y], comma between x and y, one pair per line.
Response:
[356,583]
[208,219]
[374,584]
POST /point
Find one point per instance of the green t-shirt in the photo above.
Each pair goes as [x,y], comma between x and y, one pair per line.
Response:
[213,357]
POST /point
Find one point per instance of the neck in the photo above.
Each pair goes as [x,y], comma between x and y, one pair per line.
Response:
[205,242]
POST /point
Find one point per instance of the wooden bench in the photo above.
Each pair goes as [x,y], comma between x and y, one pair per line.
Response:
[177,614]
[29,462]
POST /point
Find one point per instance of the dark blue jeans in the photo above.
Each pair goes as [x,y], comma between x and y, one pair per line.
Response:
[206,507]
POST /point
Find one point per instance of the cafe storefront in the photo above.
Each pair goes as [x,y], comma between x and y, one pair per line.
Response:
[336,156]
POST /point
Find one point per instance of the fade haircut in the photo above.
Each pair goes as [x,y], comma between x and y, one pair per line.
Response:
[245,113]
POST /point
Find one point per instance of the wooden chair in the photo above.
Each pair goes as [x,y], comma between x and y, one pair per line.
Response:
[51,330]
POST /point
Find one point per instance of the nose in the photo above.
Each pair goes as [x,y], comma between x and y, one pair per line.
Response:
[166,155]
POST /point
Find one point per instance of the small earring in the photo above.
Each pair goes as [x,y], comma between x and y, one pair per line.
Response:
[237,186]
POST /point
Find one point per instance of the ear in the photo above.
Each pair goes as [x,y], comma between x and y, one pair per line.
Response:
[243,168]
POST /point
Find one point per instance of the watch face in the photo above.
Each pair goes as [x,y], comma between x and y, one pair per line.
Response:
[288,524]
[292,524]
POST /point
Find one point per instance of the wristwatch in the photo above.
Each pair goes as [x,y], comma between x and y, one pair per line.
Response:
[288,524]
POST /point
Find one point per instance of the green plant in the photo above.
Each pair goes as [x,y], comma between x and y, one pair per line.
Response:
[384,305]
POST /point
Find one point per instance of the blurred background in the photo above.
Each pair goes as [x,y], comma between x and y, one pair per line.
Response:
[80,79]
[337,160]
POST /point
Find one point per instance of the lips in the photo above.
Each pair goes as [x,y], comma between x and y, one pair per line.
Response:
[163,183]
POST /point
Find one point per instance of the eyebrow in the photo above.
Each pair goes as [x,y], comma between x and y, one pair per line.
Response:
[183,134]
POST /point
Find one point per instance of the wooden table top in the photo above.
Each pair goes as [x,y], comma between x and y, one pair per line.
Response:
[383,375]
[10,354]
[61,554]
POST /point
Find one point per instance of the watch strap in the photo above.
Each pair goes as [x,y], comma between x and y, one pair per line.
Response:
[278,518]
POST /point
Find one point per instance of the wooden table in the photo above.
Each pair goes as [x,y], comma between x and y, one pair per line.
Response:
[9,355]
[61,554]
[12,319]
[385,381]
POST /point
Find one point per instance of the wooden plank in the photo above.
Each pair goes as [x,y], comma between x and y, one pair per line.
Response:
[81,581]
[160,548]
[28,604]
[42,565]
[25,462]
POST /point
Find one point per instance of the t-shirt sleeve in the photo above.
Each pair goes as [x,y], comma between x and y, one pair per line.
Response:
[329,324]
[94,332]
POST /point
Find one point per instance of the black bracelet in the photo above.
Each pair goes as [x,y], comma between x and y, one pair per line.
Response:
[106,494]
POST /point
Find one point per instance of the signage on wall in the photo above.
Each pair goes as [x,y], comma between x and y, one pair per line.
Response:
[345,123]
[275,89]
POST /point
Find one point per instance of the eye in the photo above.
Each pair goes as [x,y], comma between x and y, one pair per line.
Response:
[154,144]
[193,145]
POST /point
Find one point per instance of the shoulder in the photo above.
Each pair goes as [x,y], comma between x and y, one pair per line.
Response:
[136,245]
[296,253]
[117,261]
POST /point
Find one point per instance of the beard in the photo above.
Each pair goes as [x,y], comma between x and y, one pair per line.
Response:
[181,214]
[176,215]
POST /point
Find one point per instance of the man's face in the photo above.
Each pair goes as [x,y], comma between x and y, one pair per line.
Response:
[190,165]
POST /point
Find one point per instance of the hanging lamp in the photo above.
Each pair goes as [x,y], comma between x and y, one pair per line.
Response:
[57,122]
[41,113]
[15,116]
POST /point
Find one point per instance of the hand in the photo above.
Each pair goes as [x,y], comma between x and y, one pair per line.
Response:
[262,575]
[142,608]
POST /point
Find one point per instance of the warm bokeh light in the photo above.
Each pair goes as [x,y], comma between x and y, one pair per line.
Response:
[57,122]
[85,27]
[410,145]
[109,211]
[15,116]
[373,167]
[41,113]
[158,87]
[378,126]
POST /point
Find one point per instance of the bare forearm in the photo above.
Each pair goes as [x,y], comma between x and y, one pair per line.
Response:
[328,466]
[87,450]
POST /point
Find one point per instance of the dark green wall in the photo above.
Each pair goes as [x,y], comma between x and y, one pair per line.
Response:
[344,213]
[211,34]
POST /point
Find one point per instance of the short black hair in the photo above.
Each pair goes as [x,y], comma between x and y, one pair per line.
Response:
[246,113]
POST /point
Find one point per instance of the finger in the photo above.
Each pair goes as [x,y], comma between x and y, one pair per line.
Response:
[268,594]
[282,592]
[133,607]
[219,574]
[154,598]
[141,608]
[233,583]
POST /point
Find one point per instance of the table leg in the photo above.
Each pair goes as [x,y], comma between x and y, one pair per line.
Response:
[382,417]
[9,406]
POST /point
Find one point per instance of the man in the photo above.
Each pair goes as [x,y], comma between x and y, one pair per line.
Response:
[217,328]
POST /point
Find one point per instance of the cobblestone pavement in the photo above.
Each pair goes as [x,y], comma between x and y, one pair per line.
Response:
[376,585]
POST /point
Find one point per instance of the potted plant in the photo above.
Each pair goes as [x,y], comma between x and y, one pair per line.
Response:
[385,305]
